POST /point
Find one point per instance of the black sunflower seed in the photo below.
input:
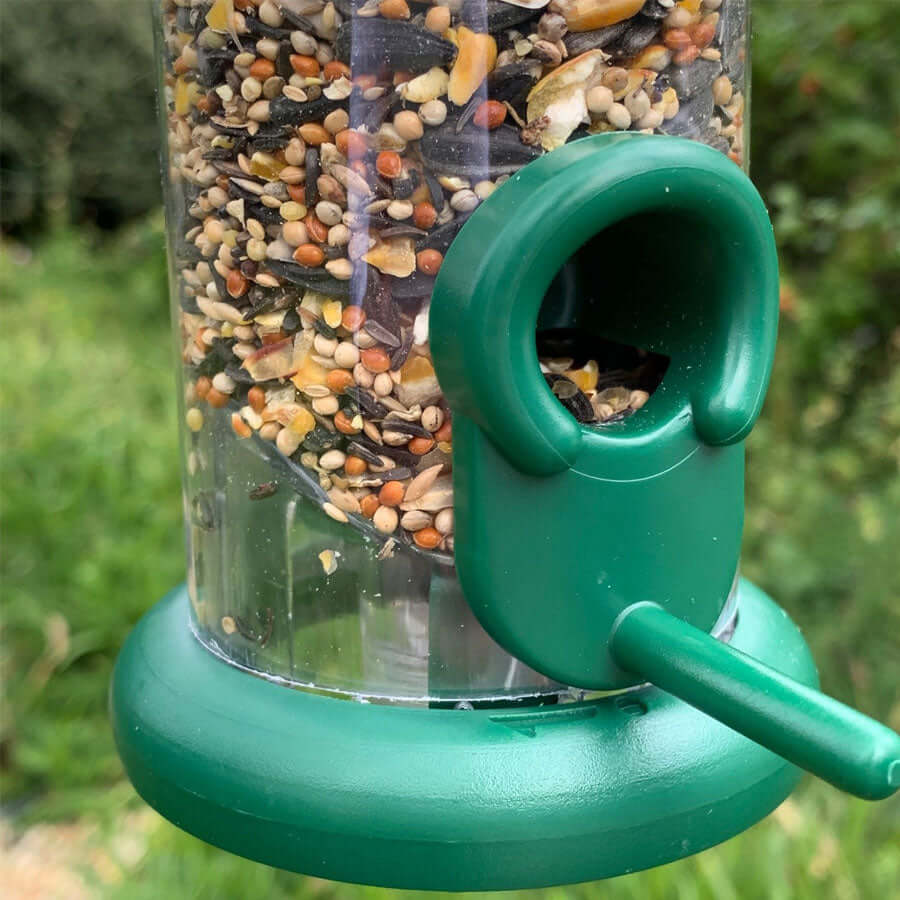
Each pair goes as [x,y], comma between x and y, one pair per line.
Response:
[246,188]
[378,303]
[189,305]
[313,171]
[413,287]
[435,190]
[231,169]
[396,454]
[382,187]
[379,110]
[324,329]
[283,67]
[402,231]
[445,151]
[224,127]
[468,111]
[639,34]
[185,18]
[495,15]
[374,44]
[320,439]
[403,188]
[691,80]
[653,9]
[354,448]
[441,237]
[283,111]
[567,392]
[267,300]
[398,474]
[210,365]
[291,321]
[324,421]
[259,29]
[580,42]
[220,284]
[237,373]
[347,8]
[400,355]
[403,427]
[262,213]
[314,279]
[295,20]
[212,64]
[382,334]
[268,141]
[219,153]
[366,402]
[511,83]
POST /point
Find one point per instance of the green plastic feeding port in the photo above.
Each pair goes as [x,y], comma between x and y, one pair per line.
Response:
[469,343]
[633,597]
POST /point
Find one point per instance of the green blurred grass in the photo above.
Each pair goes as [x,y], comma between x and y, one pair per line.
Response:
[91,518]
[92,536]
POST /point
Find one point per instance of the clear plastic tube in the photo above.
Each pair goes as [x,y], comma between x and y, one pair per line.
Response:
[320,158]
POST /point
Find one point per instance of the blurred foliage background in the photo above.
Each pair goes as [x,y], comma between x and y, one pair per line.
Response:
[91,512]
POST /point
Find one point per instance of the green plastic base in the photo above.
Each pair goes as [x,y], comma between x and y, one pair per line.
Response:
[440,799]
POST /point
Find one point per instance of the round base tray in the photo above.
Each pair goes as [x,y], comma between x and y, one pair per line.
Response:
[440,799]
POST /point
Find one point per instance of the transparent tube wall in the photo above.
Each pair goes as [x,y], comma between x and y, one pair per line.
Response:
[320,159]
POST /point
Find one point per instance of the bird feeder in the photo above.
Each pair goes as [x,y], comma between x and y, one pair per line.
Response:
[474,306]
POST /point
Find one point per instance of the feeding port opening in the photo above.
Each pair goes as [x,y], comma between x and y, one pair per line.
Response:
[628,323]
